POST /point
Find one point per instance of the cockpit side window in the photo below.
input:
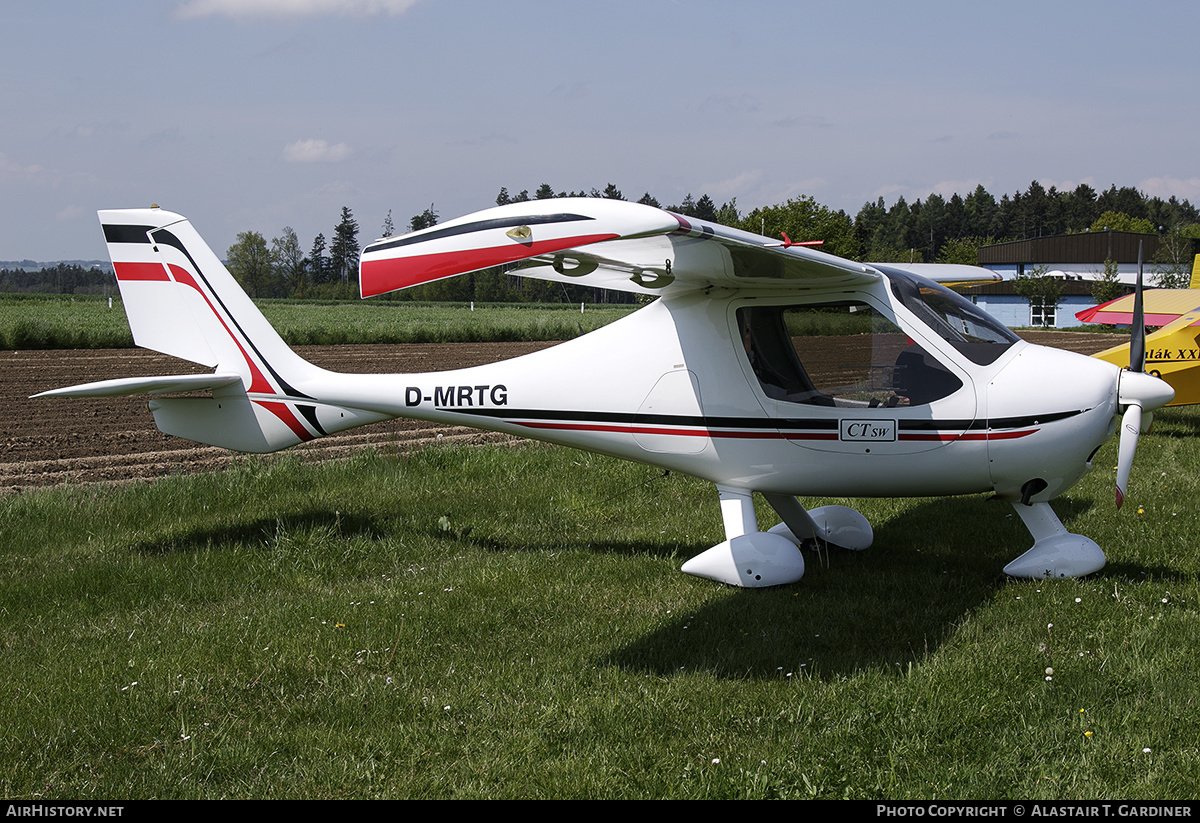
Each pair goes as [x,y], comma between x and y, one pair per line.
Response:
[839,354]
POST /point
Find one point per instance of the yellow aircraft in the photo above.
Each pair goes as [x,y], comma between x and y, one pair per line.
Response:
[1172,352]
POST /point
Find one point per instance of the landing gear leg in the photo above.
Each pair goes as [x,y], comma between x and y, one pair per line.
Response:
[1056,552]
[747,557]
[838,526]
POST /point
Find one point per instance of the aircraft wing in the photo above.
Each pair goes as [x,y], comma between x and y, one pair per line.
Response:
[611,244]
[948,274]
[1161,307]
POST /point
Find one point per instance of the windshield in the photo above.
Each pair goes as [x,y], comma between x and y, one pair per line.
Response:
[974,333]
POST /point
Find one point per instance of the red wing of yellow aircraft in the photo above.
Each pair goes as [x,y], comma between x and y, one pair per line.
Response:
[1172,352]
[1162,307]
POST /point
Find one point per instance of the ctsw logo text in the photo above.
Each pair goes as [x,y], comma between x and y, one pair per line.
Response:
[458,396]
[872,431]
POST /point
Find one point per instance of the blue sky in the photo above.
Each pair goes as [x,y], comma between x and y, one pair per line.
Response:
[260,114]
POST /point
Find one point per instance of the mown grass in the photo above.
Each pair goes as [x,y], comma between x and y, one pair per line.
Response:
[54,322]
[511,622]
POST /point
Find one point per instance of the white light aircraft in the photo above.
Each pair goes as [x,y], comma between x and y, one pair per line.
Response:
[741,373]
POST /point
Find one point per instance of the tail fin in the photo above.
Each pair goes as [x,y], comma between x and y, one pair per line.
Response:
[1195,281]
[181,301]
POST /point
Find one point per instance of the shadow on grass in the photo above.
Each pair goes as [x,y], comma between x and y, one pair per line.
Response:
[1176,422]
[266,531]
[933,564]
[882,609]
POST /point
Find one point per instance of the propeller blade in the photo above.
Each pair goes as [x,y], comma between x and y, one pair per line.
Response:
[1140,394]
[1137,341]
[1131,423]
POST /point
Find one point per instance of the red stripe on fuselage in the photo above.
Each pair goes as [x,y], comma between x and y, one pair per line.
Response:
[765,434]
[284,413]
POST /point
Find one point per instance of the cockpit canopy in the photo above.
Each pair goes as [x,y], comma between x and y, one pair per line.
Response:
[847,353]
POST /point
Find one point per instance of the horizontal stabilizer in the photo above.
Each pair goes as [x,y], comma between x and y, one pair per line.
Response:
[168,384]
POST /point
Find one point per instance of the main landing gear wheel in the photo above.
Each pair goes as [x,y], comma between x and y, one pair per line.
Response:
[753,559]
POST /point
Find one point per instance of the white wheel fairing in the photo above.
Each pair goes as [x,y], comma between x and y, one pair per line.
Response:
[752,561]
[839,526]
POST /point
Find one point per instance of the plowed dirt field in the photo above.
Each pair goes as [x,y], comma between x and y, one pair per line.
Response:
[46,441]
[49,441]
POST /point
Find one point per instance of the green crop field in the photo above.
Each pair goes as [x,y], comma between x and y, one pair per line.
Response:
[54,322]
[511,623]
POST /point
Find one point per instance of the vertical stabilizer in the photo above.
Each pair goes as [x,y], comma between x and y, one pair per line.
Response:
[182,301]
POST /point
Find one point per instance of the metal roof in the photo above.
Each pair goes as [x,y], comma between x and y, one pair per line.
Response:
[1089,247]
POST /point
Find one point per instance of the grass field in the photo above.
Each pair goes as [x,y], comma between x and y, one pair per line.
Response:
[54,322]
[511,623]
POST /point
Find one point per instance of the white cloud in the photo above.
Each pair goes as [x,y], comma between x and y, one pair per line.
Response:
[14,171]
[722,191]
[731,103]
[38,175]
[807,121]
[315,151]
[1168,187]
[284,9]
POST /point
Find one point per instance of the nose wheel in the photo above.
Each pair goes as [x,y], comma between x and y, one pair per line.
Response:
[1056,552]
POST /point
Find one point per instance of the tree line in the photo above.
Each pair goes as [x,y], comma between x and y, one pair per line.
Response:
[933,229]
[61,278]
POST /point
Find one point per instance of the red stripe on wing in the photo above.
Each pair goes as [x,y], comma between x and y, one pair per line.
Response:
[1124,318]
[380,276]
